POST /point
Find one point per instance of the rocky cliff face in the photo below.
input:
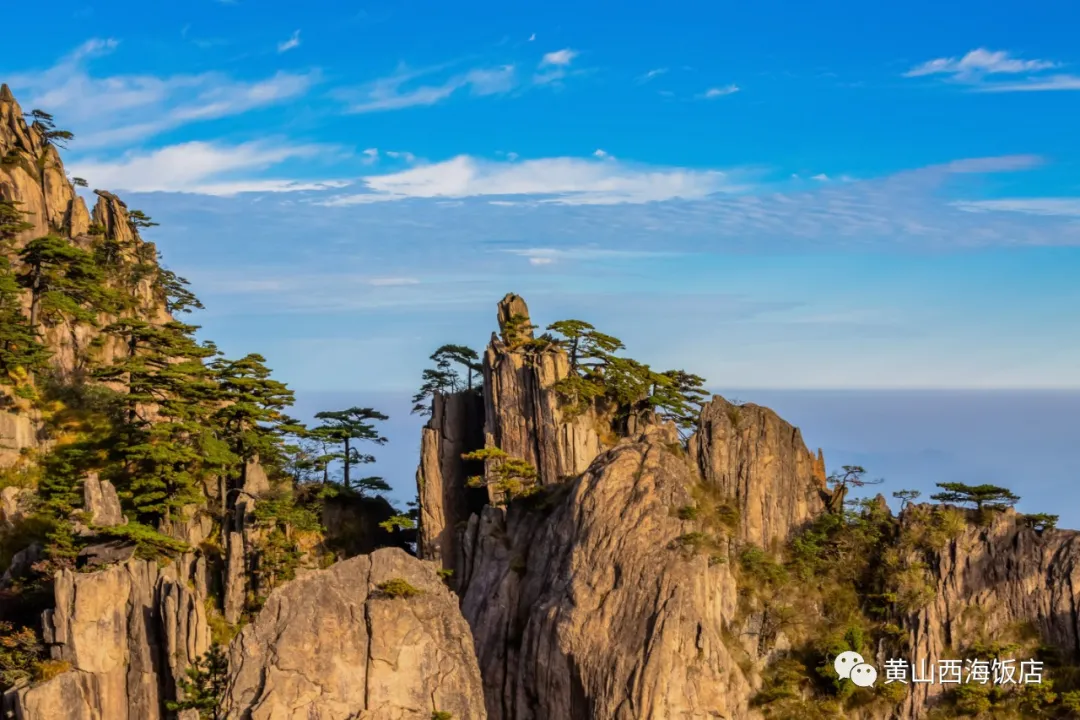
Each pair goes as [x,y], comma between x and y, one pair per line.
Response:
[455,428]
[748,453]
[1004,582]
[588,608]
[377,637]
[126,634]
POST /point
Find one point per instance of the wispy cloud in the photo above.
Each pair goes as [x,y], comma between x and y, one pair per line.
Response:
[982,70]
[291,43]
[651,75]
[559,58]
[401,90]
[124,109]
[199,167]
[716,92]
[552,255]
[1057,206]
[570,181]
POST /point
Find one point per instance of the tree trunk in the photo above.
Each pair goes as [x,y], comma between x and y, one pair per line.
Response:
[35,299]
[346,462]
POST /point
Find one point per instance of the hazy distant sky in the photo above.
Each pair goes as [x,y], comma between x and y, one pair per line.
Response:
[770,194]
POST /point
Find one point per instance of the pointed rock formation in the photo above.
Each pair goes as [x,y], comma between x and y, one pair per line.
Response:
[332,645]
[522,415]
[748,453]
[32,174]
[455,428]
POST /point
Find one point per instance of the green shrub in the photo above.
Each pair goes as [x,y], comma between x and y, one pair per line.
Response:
[398,588]
[441,715]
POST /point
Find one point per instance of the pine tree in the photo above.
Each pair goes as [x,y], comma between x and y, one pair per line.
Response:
[584,344]
[19,344]
[178,299]
[343,427]
[982,497]
[63,280]
[678,396]
[205,685]
[251,415]
[43,122]
[165,443]
[445,378]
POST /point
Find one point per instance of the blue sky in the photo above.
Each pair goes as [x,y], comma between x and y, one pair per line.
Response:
[772,195]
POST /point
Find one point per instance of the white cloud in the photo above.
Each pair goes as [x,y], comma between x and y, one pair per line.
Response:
[199,167]
[550,256]
[122,109]
[1060,207]
[979,67]
[401,155]
[291,43]
[979,62]
[398,91]
[371,156]
[393,281]
[602,154]
[820,177]
[532,37]
[559,58]
[720,91]
[1048,83]
[651,75]
[570,181]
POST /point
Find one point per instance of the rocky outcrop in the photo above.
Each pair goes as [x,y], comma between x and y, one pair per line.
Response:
[586,609]
[989,584]
[455,428]
[19,431]
[747,452]
[126,634]
[32,174]
[332,646]
[101,502]
[522,414]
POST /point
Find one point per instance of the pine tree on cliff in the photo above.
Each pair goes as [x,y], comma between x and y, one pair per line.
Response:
[445,378]
[251,416]
[42,122]
[19,344]
[63,280]
[344,428]
[165,444]
[981,497]
[678,396]
[205,685]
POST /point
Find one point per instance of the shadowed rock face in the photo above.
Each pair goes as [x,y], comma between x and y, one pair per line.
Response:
[128,633]
[747,452]
[455,427]
[331,646]
[584,611]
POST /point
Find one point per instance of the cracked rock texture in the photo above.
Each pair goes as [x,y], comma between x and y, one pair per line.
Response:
[331,646]
[582,610]
[522,415]
[990,580]
[747,452]
[127,633]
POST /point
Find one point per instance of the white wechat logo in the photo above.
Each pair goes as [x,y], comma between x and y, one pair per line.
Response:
[846,661]
[864,675]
